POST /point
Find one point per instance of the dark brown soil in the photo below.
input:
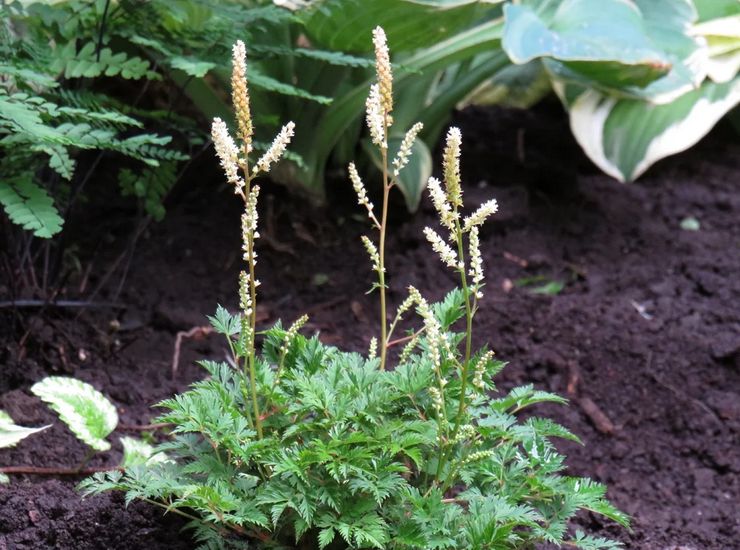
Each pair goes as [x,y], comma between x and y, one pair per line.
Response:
[644,337]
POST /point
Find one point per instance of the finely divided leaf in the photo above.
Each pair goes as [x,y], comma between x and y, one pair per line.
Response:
[86,411]
[29,205]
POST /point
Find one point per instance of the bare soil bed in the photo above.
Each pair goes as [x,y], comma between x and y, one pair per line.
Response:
[644,338]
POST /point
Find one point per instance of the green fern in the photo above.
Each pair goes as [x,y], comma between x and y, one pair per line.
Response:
[30,206]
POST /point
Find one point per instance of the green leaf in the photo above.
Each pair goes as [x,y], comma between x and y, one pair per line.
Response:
[625,137]
[191,66]
[11,434]
[224,322]
[87,412]
[604,41]
[29,205]
[517,86]
[326,535]
[345,25]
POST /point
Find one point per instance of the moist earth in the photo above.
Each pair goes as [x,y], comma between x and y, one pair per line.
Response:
[643,338]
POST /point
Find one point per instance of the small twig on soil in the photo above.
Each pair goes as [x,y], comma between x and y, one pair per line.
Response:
[195,332]
[574,377]
[37,471]
[521,262]
[600,421]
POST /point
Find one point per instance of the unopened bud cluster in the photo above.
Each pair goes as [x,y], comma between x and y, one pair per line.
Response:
[480,370]
[291,333]
[372,351]
[372,251]
[437,401]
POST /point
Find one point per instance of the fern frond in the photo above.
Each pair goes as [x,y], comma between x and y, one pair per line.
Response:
[29,205]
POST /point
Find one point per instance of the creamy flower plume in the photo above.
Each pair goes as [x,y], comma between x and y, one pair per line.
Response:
[359,188]
[240,94]
[476,262]
[445,251]
[404,152]
[372,251]
[447,216]
[374,117]
[451,166]
[383,71]
[276,150]
[228,154]
[478,217]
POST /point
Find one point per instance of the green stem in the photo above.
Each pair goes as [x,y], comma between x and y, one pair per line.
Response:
[468,330]
[381,252]
[253,327]
[468,348]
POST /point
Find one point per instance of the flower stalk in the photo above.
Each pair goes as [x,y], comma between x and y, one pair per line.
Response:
[235,160]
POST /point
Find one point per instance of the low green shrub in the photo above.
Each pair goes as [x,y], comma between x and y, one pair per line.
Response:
[301,443]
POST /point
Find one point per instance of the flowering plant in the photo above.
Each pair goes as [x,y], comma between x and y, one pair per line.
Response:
[305,444]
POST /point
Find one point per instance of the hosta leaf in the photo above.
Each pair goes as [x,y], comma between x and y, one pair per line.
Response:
[625,137]
[518,86]
[11,434]
[135,452]
[604,41]
[345,25]
[413,178]
[87,412]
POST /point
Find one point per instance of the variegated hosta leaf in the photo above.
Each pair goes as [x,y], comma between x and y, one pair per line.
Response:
[87,412]
[11,434]
[603,42]
[137,452]
[624,137]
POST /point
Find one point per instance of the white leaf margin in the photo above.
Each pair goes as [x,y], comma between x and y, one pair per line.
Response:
[590,111]
[56,390]
[12,434]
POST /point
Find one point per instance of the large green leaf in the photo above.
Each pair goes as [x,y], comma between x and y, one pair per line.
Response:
[11,434]
[345,25]
[518,86]
[87,412]
[604,41]
[625,137]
